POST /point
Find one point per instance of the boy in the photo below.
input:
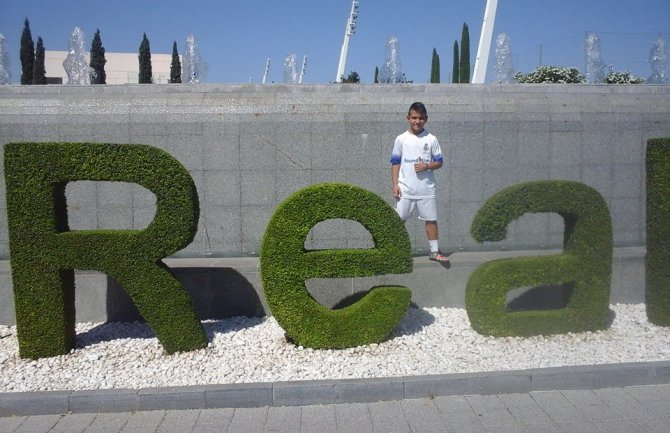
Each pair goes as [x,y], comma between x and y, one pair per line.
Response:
[416,153]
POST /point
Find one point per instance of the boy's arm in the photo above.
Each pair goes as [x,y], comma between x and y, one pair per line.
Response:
[437,160]
[423,166]
[395,172]
[434,165]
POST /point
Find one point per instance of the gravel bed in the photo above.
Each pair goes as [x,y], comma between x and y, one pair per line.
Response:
[241,349]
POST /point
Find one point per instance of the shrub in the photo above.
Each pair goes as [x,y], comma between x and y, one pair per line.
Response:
[44,251]
[353,77]
[551,74]
[585,264]
[622,78]
[285,265]
[658,231]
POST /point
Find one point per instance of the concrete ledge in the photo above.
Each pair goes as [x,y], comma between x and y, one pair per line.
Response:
[227,287]
[174,398]
[34,403]
[337,391]
[102,400]
[239,395]
[334,391]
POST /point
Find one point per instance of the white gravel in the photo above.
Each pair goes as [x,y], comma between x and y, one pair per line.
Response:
[428,341]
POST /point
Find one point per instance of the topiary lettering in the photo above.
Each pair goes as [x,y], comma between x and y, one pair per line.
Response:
[285,265]
[44,252]
[585,264]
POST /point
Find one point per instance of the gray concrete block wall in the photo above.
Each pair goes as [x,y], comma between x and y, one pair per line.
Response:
[248,147]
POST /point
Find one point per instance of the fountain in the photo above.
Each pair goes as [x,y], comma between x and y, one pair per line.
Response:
[658,60]
[504,67]
[391,71]
[290,71]
[75,64]
[193,70]
[5,72]
[595,67]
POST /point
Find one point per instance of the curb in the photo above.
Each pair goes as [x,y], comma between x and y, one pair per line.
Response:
[303,393]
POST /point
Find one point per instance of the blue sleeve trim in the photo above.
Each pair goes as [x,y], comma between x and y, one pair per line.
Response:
[395,159]
[438,158]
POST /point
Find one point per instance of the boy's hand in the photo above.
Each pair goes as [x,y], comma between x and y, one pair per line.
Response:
[420,166]
[395,191]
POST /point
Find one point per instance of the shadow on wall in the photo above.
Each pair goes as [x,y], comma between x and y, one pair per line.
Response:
[544,297]
[217,293]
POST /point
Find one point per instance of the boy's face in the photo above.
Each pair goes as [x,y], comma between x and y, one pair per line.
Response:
[416,122]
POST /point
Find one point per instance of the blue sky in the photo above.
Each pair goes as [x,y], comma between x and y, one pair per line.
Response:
[236,38]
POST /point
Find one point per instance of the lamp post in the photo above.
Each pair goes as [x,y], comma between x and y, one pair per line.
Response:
[348,32]
[303,69]
[267,71]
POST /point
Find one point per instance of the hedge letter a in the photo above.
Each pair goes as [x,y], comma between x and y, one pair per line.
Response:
[585,266]
[44,252]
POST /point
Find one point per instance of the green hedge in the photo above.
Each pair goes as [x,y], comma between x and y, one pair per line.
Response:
[585,264]
[286,264]
[658,231]
[44,252]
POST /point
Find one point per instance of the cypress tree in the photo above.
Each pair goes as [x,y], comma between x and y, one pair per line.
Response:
[376,74]
[145,62]
[175,66]
[435,68]
[464,64]
[27,54]
[98,75]
[39,73]
[455,69]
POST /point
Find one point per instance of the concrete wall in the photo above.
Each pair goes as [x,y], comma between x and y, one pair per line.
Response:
[249,146]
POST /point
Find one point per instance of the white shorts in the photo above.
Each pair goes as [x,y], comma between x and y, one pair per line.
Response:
[426,208]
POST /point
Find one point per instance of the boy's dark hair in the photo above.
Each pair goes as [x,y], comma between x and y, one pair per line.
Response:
[419,108]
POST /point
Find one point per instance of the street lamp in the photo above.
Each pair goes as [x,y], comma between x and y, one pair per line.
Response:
[348,32]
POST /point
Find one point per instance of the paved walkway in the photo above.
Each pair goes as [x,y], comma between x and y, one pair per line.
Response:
[627,409]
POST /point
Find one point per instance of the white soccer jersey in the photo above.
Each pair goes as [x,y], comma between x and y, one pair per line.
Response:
[409,149]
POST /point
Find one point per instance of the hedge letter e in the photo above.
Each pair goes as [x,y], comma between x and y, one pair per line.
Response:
[286,264]
[44,252]
[584,267]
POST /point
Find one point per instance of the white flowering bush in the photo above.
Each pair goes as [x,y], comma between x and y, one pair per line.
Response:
[551,74]
[557,74]
[622,78]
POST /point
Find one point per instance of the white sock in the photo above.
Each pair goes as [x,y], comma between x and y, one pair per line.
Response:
[434,246]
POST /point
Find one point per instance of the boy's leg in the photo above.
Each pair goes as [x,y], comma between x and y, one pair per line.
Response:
[404,208]
[431,230]
[435,254]
[428,211]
